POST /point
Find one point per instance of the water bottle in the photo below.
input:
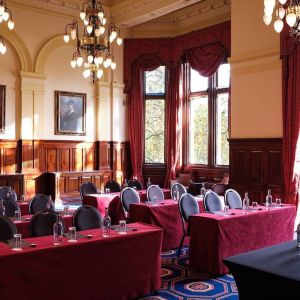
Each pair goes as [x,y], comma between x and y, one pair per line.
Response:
[106,224]
[176,194]
[148,182]
[58,231]
[269,198]
[246,202]
[202,190]
[125,185]
[2,208]
[50,204]
[298,236]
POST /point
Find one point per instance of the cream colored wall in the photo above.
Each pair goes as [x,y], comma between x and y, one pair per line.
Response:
[45,67]
[256,110]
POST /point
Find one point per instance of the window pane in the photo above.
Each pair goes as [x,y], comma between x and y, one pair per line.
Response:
[198,82]
[222,145]
[198,130]
[155,131]
[155,81]
[223,76]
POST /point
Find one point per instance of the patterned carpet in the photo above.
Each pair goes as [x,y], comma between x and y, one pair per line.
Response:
[181,283]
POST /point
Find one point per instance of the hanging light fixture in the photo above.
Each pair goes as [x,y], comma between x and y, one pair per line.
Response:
[284,9]
[5,16]
[93,48]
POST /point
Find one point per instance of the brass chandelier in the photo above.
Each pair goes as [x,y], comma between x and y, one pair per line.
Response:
[284,9]
[95,41]
[5,16]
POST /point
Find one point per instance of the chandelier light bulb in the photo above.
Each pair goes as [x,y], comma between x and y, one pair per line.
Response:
[5,16]
[282,1]
[291,19]
[101,14]
[114,34]
[90,58]
[79,61]
[102,29]
[73,63]
[73,34]
[2,9]
[86,73]
[66,38]
[268,11]
[1,19]
[10,25]
[82,15]
[98,60]
[111,39]
[86,22]
[278,25]
[267,20]
[108,61]
[103,21]
[105,64]
[113,65]
[97,32]
[119,41]
[280,12]
[89,29]
[270,3]
[99,73]
[2,48]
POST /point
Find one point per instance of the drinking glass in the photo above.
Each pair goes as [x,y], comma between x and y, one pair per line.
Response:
[107,191]
[23,198]
[278,202]
[122,227]
[66,210]
[72,235]
[254,205]
[17,242]
[18,215]
[226,209]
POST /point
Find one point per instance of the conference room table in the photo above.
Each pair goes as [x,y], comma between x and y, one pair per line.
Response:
[118,267]
[112,201]
[164,214]
[214,237]
[268,273]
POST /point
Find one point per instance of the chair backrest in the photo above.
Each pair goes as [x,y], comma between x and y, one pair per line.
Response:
[180,187]
[219,188]
[10,207]
[233,199]
[87,188]
[42,223]
[7,229]
[87,217]
[135,183]
[187,206]
[113,185]
[7,193]
[129,196]
[212,202]
[39,203]
[154,192]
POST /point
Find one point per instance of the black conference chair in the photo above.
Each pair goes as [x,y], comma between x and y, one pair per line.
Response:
[87,188]
[10,207]
[7,229]
[181,189]
[42,223]
[212,202]
[154,192]
[134,183]
[87,217]
[129,196]
[233,199]
[40,202]
[187,206]
[7,193]
[219,188]
[113,186]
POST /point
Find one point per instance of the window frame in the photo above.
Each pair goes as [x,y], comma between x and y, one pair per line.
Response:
[212,93]
[149,97]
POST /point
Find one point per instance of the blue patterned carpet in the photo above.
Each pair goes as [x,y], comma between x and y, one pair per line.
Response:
[181,283]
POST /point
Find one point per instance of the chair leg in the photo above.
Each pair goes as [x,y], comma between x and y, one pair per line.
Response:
[180,246]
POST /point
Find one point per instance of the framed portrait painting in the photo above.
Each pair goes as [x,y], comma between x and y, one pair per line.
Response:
[70,113]
[2,108]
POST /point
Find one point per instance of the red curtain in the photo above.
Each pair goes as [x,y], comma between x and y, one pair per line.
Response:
[291,117]
[146,62]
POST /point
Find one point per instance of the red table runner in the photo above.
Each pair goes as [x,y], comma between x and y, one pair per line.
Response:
[214,237]
[116,268]
[112,201]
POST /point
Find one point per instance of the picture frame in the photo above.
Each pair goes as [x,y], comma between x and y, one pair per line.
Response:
[2,108]
[70,113]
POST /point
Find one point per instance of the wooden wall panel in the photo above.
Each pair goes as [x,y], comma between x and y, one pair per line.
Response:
[256,166]
[9,162]
[51,160]
[65,160]
[104,155]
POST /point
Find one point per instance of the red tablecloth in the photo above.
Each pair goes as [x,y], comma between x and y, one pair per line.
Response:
[23,225]
[112,201]
[120,267]
[214,237]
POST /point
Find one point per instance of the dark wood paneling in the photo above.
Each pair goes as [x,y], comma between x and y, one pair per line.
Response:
[104,155]
[256,166]
[8,156]
[15,181]
[157,174]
